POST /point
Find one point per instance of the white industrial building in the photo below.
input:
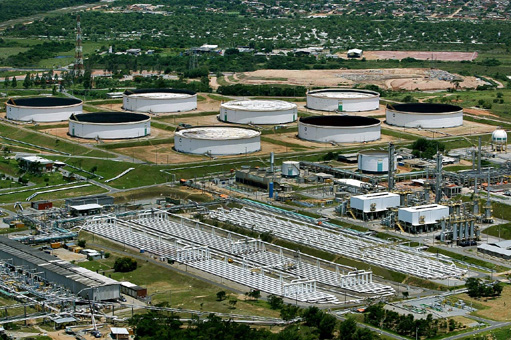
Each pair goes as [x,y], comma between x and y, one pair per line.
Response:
[376,202]
[424,115]
[109,125]
[290,169]
[500,249]
[43,109]
[339,129]
[217,140]
[343,100]
[422,218]
[258,112]
[374,161]
[159,100]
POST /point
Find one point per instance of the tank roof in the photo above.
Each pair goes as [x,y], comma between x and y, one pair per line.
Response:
[259,105]
[340,121]
[218,132]
[109,117]
[154,91]
[374,152]
[43,101]
[425,108]
[344,93]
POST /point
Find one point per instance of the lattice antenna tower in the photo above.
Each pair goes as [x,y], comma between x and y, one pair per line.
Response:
[78,66]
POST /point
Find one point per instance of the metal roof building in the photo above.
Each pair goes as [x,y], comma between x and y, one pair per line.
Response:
[500,249]
[83,282]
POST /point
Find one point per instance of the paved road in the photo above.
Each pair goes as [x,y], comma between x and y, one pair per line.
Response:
[482,330]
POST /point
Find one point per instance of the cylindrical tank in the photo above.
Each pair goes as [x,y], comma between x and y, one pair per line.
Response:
[109,125]
[374,161]
[343,100]
[339,129]
[159,100]
[43,109]
[290,169]
[217,140]
[258,112]
[424,115]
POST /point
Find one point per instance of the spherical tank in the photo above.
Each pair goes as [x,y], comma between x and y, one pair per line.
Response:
[258,112]
[42,109]
[343,100]
[339,129]
[424,115]
[217,140]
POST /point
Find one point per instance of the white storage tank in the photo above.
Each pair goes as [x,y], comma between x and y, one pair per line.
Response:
[159,100]
[374,161]
[42,109]
[339,129]
[109,125]
[258,112]
[424,115]
[343,100]
[423,214]
[499,140]
[217,140]
[290,169]
[375,202]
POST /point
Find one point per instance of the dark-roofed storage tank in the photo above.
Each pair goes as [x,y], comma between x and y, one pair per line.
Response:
[42,109]
[339,129]
[109,125]
[424,115]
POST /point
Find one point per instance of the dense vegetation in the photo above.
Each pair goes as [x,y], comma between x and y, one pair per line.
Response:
[425,148]
[477,288]
[125,264]
[12,9]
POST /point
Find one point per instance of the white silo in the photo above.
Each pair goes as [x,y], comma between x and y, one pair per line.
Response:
[374,161]
[290,169]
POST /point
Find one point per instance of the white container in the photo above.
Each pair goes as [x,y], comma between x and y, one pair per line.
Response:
[290,169]
[45,109]
[372,161]
[109,125]
[217,140]
[159,100]
[258,112]
[424,115]
[339,129]
[343,100]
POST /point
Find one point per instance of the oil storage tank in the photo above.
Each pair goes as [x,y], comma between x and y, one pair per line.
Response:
[424,115]
[339,129]
[343,100]
[258,112]
[42,109]
[290,169]
[217,140]
[109,125]
[159,100]
[374,161]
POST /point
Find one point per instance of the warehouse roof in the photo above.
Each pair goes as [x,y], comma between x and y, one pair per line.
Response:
[502,248]
[85,207]
[427,207]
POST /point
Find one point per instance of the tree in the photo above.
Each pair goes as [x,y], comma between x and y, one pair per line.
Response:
[347,329]
[426,148]
[27,82]
[289,312]
[254,294]
[125,264]
[14,83]
[312,316]
[233,302]
[6,82]
[220,296]
[276,302]
[81,243]
[327,326]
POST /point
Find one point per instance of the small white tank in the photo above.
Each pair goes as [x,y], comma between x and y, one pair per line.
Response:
[290,169]
[499,140]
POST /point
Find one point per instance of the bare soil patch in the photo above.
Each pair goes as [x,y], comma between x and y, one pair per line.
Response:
[420,55]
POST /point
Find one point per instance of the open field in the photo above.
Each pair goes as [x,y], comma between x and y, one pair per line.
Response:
[492,308]
[420,55]
[389,78]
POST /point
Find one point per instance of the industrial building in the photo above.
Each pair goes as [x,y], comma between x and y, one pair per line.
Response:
[109,125]
[133,290]
[217,140]
[370,206]
[374,161]
[159,100]
[258,112]
[97,199]
[339,129]
[47,268]
[424,115]
[500,249]
[343,100]
[257,177]
[422,218]
[34,163]
[42,109]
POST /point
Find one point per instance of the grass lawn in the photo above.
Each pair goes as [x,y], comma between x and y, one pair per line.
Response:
[491,308]
[180,290]
[468,259]
[502,231]
[16,197]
